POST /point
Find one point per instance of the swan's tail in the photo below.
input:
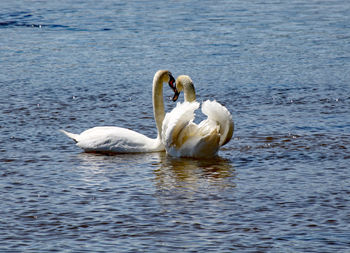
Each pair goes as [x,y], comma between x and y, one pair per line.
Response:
[70,135]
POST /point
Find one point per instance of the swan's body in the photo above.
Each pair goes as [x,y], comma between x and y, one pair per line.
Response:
[183,138]
[108,139]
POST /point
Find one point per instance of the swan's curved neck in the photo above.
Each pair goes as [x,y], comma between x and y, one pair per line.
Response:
[158,104]
[184,82]
[189,93]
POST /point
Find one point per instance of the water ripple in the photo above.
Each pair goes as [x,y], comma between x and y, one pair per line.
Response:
[281,184]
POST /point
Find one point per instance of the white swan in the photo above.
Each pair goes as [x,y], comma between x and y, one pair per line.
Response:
[108,139]
[183,138]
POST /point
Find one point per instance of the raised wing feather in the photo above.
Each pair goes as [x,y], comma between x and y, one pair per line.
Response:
[175,121]
[218,114]
[183,138]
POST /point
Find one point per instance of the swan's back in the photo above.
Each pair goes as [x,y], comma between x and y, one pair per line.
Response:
[115,140]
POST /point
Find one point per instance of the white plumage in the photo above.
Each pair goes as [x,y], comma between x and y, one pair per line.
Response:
[184,138]
[108,139]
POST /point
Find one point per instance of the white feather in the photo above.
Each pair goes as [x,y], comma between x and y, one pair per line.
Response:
[114,140]
[183,138]
[121,140]
[222,117]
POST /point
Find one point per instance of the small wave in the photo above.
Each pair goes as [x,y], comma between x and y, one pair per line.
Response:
[318,142]
[14,23]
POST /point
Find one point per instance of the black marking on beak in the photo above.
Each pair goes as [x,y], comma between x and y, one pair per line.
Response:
[172,85]
[176,95]
[172,82]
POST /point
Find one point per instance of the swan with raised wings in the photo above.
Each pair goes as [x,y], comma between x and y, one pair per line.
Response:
[109,139]
[182,137]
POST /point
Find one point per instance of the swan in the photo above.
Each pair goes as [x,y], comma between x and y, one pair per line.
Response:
[182,137]
[109,139]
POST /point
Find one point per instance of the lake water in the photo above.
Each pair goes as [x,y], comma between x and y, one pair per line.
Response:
[282,68]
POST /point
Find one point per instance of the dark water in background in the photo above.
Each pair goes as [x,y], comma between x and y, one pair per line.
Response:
[281,67]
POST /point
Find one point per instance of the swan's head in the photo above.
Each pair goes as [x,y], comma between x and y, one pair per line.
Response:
[171,81]
[184,83]
[164,76]
[172,85]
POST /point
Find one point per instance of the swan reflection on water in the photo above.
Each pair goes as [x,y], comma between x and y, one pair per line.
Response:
[191,173]
[169,172]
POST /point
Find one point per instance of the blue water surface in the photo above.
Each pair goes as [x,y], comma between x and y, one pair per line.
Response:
[282,68]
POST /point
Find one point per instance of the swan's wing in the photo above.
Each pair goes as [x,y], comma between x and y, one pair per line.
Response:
[183,138]
[116,140]
[177,120]
[198,144]
[218,114]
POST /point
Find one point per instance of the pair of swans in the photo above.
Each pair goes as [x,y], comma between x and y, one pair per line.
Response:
[177,133]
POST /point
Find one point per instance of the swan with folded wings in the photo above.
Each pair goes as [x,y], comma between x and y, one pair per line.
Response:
[184,138]
[110,139]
